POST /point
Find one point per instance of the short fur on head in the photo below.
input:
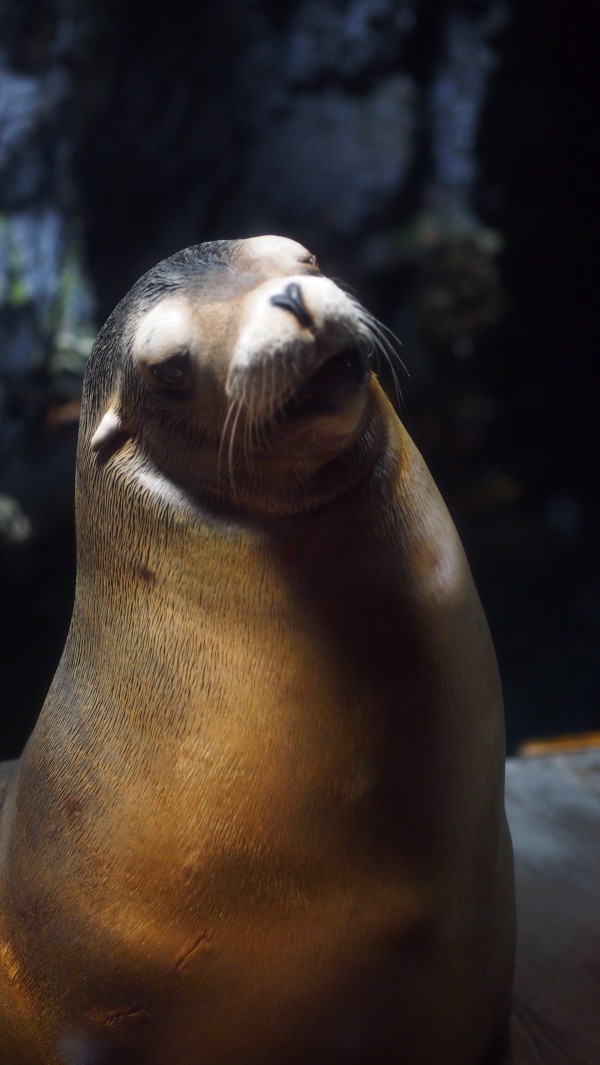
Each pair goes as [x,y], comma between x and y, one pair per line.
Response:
[211,347]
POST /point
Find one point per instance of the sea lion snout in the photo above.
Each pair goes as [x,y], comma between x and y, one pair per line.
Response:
[302,349]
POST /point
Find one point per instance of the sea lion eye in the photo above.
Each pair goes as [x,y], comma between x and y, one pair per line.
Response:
[310,260]
[174,371]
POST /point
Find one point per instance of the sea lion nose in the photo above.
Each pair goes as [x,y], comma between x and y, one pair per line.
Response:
[291,299]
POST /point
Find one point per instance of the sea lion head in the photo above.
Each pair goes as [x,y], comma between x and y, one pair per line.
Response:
[239,371]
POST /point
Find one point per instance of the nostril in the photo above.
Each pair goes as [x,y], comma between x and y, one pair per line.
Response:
[291,300]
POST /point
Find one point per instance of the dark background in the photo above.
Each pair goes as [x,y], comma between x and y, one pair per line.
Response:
[438,156]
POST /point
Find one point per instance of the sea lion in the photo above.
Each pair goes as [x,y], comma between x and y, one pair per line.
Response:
[261,817]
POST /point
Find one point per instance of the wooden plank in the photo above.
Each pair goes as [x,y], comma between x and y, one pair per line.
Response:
[580,741]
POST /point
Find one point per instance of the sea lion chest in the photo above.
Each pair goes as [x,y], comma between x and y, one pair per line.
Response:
[260,683]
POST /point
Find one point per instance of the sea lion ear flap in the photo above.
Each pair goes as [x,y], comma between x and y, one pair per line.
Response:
[111,431]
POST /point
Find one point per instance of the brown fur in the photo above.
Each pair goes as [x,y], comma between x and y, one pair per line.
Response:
[261,816]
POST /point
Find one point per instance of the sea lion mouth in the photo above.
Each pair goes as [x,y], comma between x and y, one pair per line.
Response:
[326,389]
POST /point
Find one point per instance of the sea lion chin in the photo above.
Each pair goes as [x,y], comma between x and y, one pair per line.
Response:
[260,819]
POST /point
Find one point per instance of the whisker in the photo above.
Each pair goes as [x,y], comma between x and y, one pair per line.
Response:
[230,410]
[251,421]
[263,395]
[272,395]
[385,343]
[232,442]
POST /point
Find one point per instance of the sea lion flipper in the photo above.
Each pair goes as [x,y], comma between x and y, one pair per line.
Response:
[111,430]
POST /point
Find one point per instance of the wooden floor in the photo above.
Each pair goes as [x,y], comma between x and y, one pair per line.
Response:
[553,805]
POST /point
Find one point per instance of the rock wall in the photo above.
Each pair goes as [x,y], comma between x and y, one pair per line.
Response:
[430,153]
